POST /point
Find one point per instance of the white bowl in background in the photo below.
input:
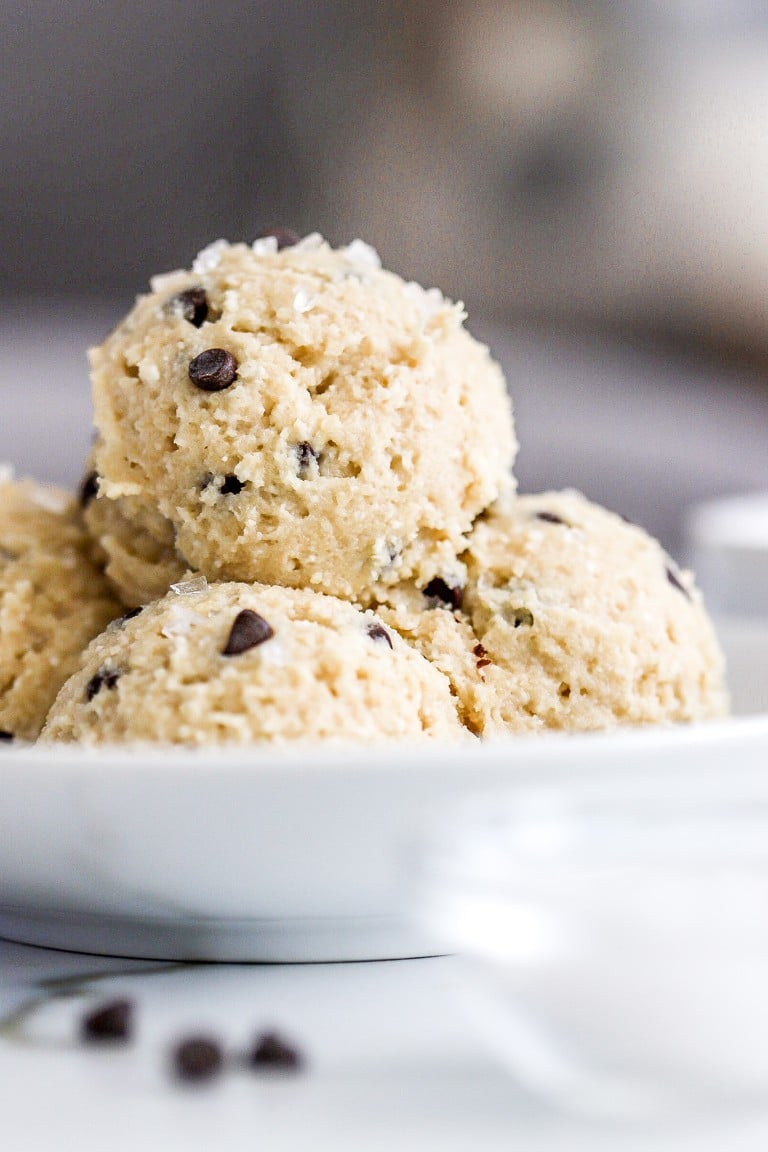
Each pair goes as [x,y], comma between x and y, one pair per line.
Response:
[727,546]
[745,644]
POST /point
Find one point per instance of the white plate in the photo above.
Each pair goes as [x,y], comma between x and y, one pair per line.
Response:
[254,855]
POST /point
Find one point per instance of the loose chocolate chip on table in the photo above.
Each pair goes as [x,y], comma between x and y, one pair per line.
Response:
[549,518]
[232,486]
[192,305]
[112,1022]
[89,489]
[6,737]
[213,370]
[272,1051]
[305,454]
[676,582]
[437,589]
[248,631]
[198,1058]
[104,678]
[379,632]
[285,237]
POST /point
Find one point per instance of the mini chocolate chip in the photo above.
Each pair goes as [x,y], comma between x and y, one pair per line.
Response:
[676,582]
[6,737]
[213,370]
[104,678]
[248,631]
[520,617]
[286,237]
[272,1051]
[89,489]
[232,486]
[482,656]
[198,1058]
[111,1022]
[305,454]
[134,612]
[437,589]
[379,632]
[192,305]
[550,518]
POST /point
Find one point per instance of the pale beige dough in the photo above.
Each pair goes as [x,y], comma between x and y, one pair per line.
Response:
[571,619]
[330,672]
[446,639]
[53,599]
[364,432]
[137,548]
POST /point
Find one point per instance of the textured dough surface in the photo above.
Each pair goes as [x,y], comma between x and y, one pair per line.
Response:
[571,619]
[53,600]
[364,432]
[328,673]
[446,639]
[136,546]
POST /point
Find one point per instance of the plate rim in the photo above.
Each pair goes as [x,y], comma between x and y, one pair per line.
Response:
[515,756]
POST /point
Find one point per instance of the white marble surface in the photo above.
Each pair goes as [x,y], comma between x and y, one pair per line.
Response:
[392,1064]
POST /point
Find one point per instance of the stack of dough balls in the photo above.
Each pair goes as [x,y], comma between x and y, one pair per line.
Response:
[299,522]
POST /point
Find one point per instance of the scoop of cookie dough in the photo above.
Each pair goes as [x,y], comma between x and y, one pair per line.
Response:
[236,663]
[571,618]
[300,417]
[53,600]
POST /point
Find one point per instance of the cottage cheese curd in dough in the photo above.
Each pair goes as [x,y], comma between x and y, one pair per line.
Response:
[53,600]
[571,618]
[299,417]
[237,663]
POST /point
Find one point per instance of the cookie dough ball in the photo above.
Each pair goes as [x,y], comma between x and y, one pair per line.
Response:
[53,600]
[590,619]
[301,417]
[572,619]
[236,664]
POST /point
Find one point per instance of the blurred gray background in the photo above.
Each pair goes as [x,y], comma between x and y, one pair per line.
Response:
[591,178]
